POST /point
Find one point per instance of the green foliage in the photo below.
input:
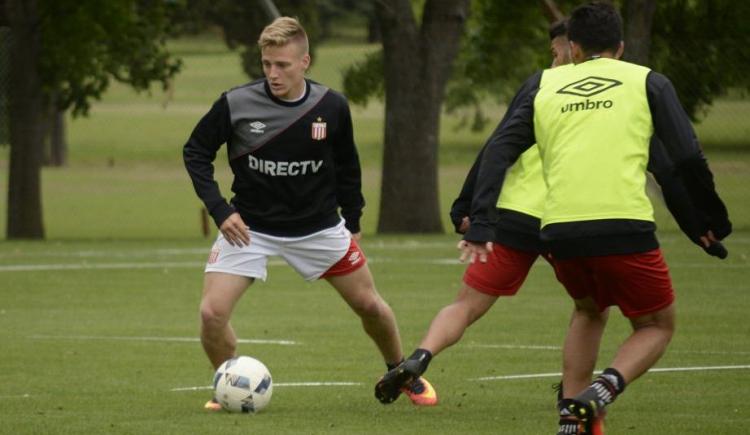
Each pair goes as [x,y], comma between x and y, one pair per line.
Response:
[365,79]
[702,46]
[85,43]
[242,22]
[505,41]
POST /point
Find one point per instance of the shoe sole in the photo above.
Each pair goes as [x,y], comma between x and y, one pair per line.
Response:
[388,389]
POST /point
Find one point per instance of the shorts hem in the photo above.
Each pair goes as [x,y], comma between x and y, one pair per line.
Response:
[488,290]
[644,312]
[252,275]
[328,273]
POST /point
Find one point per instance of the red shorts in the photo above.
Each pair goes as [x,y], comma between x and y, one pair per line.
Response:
[503,273]
[638,284]
[351,261]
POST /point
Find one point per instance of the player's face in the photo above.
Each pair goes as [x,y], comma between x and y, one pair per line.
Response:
[284,68]
[560,49]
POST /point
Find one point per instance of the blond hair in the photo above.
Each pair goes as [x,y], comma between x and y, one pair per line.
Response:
[282,31]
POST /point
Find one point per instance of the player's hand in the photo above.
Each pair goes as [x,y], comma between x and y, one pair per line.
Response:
[357,236]
[474,251]
[464,227]
[713,246]
[235,231]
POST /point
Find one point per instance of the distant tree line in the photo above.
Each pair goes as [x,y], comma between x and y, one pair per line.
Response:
[435,54]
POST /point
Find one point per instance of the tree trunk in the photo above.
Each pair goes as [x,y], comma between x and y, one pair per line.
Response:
[552,11]
[55,146]
[58,146]
[418,63]
[26,118]
[373,29]
[639,16]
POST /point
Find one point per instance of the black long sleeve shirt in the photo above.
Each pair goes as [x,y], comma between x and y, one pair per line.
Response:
[687,184]
[294,163]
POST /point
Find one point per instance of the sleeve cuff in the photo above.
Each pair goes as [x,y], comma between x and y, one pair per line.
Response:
[479,233]
[221,212]
[352,225]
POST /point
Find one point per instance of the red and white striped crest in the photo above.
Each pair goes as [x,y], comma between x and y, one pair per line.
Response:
[318,130]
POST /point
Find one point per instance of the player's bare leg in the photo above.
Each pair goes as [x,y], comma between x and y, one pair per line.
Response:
[581,347]
[651,335]
[446,329]
[580,352]
[221,291]
[358,290]
[449,324]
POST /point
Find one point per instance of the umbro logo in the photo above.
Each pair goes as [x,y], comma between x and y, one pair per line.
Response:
[257,127]
[354,258]
[589,86]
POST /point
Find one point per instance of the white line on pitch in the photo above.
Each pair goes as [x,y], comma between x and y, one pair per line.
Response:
[515,346]
[172,339]
[547,347]
[283,384]
[100,266]
[15,396]
[91,266]
[655,370]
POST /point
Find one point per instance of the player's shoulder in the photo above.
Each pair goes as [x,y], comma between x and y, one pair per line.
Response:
[328,92]
[329,97]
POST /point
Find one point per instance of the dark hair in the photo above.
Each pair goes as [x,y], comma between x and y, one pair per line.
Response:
[596,27]
[558,28]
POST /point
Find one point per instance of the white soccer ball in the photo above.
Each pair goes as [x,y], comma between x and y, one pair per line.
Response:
[243,384]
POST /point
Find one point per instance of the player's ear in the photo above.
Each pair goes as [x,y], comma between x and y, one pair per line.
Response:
[306,61]
[620,50]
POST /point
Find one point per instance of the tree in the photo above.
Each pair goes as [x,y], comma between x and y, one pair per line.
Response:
[241,23]
[702,46]
[71,49]
[415,63]
[638,16]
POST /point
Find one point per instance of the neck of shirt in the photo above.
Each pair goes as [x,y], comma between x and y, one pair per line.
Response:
[301,96]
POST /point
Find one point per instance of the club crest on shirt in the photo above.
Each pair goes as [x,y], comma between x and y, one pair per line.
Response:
[318,130]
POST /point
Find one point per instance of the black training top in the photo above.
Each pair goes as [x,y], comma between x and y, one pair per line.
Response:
[687,185]
[294,163]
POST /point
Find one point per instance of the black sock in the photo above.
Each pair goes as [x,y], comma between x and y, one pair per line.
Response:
[392,366]
[423,358]
[605,388]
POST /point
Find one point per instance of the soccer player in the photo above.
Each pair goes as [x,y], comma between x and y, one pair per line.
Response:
[592,122]
[291,149]
[517,246]
[516,243]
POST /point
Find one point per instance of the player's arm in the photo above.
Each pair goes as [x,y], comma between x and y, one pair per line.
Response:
[499,154]
[348,173]
[691,221]
[212,131]
[672,126]
[461,207]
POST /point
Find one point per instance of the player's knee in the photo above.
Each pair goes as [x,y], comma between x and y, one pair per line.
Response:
[371,306]
[211,317]
[662,321]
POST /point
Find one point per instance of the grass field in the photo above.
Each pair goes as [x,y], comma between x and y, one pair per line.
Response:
[98,324]
[89,330]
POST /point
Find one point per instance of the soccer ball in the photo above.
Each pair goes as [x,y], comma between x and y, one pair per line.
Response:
[243,384]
